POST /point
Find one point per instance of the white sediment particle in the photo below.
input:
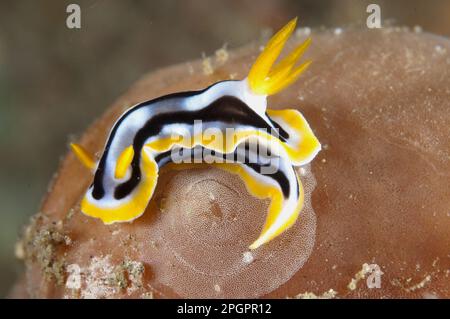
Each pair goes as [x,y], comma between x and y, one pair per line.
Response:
[190,68]
[421,284]
[217,288]
[222,55]
[206,65]
[70,214]
[19,250]
[302,31]
[439,49]
[330,294]
[302,171]
[148,295]
[135,270]
[59,225]
[417,29]
[337,31]
[74,279]
[67,240]
[116,232]
[97,275]
[435,261]
[358,276]
[430,295]
[247,257]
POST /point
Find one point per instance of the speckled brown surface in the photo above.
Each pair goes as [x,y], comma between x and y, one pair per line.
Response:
[379,103]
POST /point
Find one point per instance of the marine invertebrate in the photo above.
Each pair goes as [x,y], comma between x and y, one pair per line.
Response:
[144,137]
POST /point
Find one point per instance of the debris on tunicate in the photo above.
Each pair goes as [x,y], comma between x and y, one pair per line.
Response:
[358,276]
[74,278]
[247,257]
[330,294]
[421,284]
[302,171]
[206,65]
[222,55]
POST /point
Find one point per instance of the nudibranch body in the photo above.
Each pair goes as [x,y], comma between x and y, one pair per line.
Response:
[227,124]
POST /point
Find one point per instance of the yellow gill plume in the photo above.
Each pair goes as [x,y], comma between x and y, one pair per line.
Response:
[267,80]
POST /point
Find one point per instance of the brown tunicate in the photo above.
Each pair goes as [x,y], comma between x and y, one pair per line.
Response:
[379,103]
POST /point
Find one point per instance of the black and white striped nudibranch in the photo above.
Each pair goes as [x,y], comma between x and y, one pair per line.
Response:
[153,133]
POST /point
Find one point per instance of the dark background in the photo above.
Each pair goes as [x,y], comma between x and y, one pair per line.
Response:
[55,81]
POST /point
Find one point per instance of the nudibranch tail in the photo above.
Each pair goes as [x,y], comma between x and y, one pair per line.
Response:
[283,188]
[281,219]
[83,156]
[267,80]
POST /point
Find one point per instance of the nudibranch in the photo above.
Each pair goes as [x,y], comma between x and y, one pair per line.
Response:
[166,130]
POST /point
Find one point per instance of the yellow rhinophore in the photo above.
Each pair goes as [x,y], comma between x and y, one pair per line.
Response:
[265,80]
[85,158]
[124,161]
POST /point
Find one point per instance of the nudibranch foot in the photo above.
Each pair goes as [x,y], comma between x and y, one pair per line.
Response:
[227,118]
